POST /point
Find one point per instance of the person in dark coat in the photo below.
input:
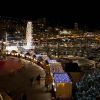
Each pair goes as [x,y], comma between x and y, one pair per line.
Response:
[31,81]
[38,78]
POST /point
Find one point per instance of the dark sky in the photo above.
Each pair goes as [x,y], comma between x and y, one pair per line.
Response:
[62,13]
[67,20]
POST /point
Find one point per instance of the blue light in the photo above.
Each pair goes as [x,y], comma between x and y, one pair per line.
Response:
[52,61]
[61,78]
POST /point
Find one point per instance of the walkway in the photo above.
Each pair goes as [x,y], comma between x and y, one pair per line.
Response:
[19,82]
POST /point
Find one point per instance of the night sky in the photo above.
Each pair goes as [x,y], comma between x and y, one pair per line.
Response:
[63,14]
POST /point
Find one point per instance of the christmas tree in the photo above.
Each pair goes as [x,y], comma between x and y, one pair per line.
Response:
[89,86]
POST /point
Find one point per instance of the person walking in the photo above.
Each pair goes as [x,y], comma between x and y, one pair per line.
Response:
[31,81]
[38,78]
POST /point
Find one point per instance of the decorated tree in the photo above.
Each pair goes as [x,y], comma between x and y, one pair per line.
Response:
[89,86]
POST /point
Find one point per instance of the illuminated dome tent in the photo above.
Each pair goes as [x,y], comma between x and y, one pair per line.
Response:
[63,85]
[61,78]
[55,66]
